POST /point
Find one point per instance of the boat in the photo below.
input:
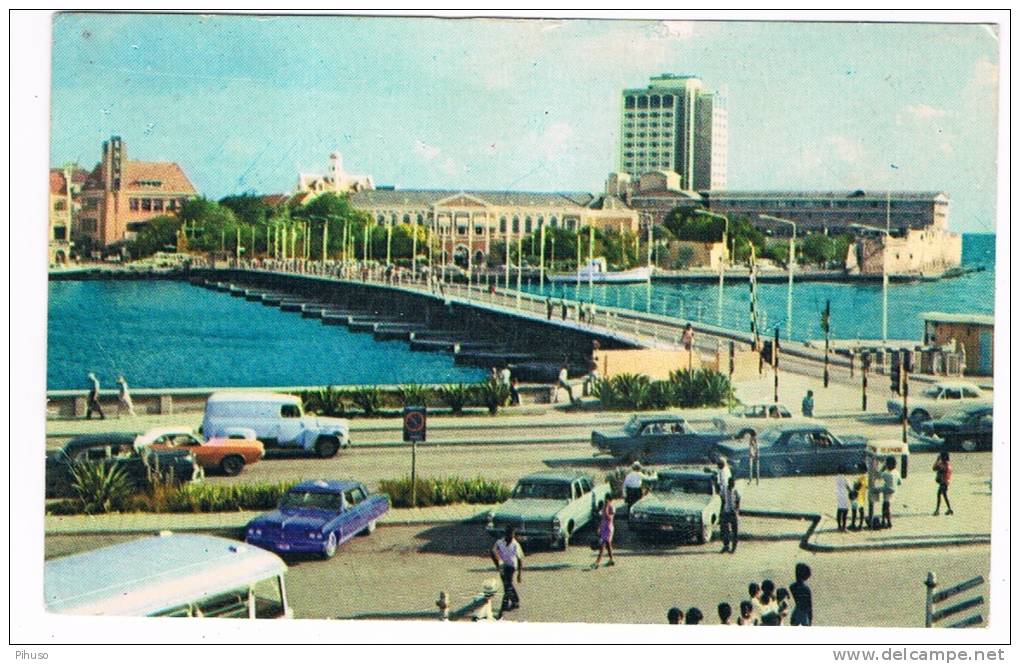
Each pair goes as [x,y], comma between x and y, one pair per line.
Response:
[595,272]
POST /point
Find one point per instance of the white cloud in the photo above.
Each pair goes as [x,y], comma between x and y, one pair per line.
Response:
[924,112]
[555,141]
[845,149]
[426,151]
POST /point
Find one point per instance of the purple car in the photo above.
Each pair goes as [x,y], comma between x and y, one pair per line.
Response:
[317,517]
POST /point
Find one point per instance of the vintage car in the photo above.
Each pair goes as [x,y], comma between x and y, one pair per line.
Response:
[317,516]
[549,507]
[226,454]
[741,423]
[682,502]
[939,400]
[657,438]
[117,450]
[968,431]
[797,449]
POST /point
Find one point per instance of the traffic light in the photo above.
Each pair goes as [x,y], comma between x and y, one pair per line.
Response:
[767,347]
[894,373]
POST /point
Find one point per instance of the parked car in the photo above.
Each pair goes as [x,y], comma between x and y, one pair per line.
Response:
[228,454]
[549,507]
[797,449]
[278,421]
[939,400]
[657,438]
[117,450]
[968,431]
[682,502]
[317,516]
[742,422]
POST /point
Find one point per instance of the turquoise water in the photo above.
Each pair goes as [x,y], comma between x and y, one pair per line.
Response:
[172,334]
[856,307]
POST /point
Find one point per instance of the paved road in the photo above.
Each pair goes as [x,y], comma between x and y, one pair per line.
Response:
[398,572]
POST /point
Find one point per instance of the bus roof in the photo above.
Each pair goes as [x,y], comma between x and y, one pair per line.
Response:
[144,576]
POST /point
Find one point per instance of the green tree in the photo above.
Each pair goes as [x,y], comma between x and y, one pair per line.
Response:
[336,211]
[248,208]
[158,234]
[818,249]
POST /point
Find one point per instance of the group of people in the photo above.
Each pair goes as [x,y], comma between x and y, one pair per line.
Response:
[92,405]
[857,499]
[765,605]
[505,376]
[585,312]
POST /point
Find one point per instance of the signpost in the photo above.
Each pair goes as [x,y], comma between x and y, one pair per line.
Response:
[414,432]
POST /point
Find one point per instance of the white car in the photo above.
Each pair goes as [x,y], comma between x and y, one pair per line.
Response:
[753,418]
[939,400]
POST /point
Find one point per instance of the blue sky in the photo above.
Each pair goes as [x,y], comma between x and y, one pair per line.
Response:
[244,103]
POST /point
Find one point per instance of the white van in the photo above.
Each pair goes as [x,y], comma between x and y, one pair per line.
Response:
[277,420]
[172,575]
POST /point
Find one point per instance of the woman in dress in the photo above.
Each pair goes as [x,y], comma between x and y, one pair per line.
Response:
[943,476]
[606,533]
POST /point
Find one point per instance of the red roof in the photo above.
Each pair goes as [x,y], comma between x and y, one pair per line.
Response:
[164,176]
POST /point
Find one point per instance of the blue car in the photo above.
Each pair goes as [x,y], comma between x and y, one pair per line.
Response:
[797,448]
[317,517]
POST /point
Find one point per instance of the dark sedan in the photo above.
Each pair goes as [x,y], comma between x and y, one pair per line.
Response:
[657,439]
[968,431]
[798,449]
[116,450]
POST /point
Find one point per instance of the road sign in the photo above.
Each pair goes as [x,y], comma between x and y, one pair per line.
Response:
[414,424]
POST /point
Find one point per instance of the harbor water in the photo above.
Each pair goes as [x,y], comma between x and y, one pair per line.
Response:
[856,306]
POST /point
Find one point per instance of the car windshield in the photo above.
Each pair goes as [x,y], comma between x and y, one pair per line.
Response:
[684,485]
[632,426]
[545,490]
[312,499]
[932,392]
[770,436]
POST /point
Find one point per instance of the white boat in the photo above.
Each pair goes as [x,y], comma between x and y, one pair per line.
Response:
[595,272]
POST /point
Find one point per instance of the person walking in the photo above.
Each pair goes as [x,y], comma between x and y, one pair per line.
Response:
[753,459]
[632,484]
[515,393]
[807,406]
[92,404]
[508,556]
[842,501]
[802,615]
[606,527]
[943,476]
[563,309]
[687,340]
[124,398]
[729,516]
[724,474]
[548,308]
[889,482]
[562,381]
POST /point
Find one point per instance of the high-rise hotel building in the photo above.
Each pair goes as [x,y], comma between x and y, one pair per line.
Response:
[674,125]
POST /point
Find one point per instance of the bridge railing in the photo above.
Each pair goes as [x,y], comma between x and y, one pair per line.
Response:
[934,612]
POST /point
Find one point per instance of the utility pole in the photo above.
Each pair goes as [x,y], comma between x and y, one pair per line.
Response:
[904,389]
[885,271]
[825,328]
[237,247]
[775,366]
[519,268]
[865,365]
[389,243]
[325,239]
[541,258]
[506,263]
[591,259]
[414,251]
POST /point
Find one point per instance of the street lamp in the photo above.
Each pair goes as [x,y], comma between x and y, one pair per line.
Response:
[789,268]
[726,232]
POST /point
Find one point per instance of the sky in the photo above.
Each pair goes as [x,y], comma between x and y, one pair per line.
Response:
[244,103]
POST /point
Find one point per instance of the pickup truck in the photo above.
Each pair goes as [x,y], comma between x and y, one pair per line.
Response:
[550,507]
[683,502]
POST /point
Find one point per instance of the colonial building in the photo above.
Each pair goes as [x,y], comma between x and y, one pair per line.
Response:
[64,202]
[121,195]
[337,180]
[467,223]
[923,253]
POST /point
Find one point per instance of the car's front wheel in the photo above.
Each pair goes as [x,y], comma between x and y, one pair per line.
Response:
[917,417]
[706,533]
[969,445]
[369,528]
[327,447]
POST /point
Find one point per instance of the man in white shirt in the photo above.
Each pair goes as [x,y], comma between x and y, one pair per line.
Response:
[508,556]
[724,474]
[504,375]
[563,381]
[632,484]
[728,516]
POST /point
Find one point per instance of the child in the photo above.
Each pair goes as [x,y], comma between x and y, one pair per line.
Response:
[803,614]
[858,496]
[754,592]
[746,614]
[889,482]
[725,613]
[675,616]
[768,599]
[783,601]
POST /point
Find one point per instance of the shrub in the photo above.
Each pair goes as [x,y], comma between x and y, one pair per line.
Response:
[717,390]
[633,390]
[413,395]
[327,402]
[604,390]
[455,396]
[494,393]
[368,399]
[99,488]
[444,491]
[661,394]
[164,497]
